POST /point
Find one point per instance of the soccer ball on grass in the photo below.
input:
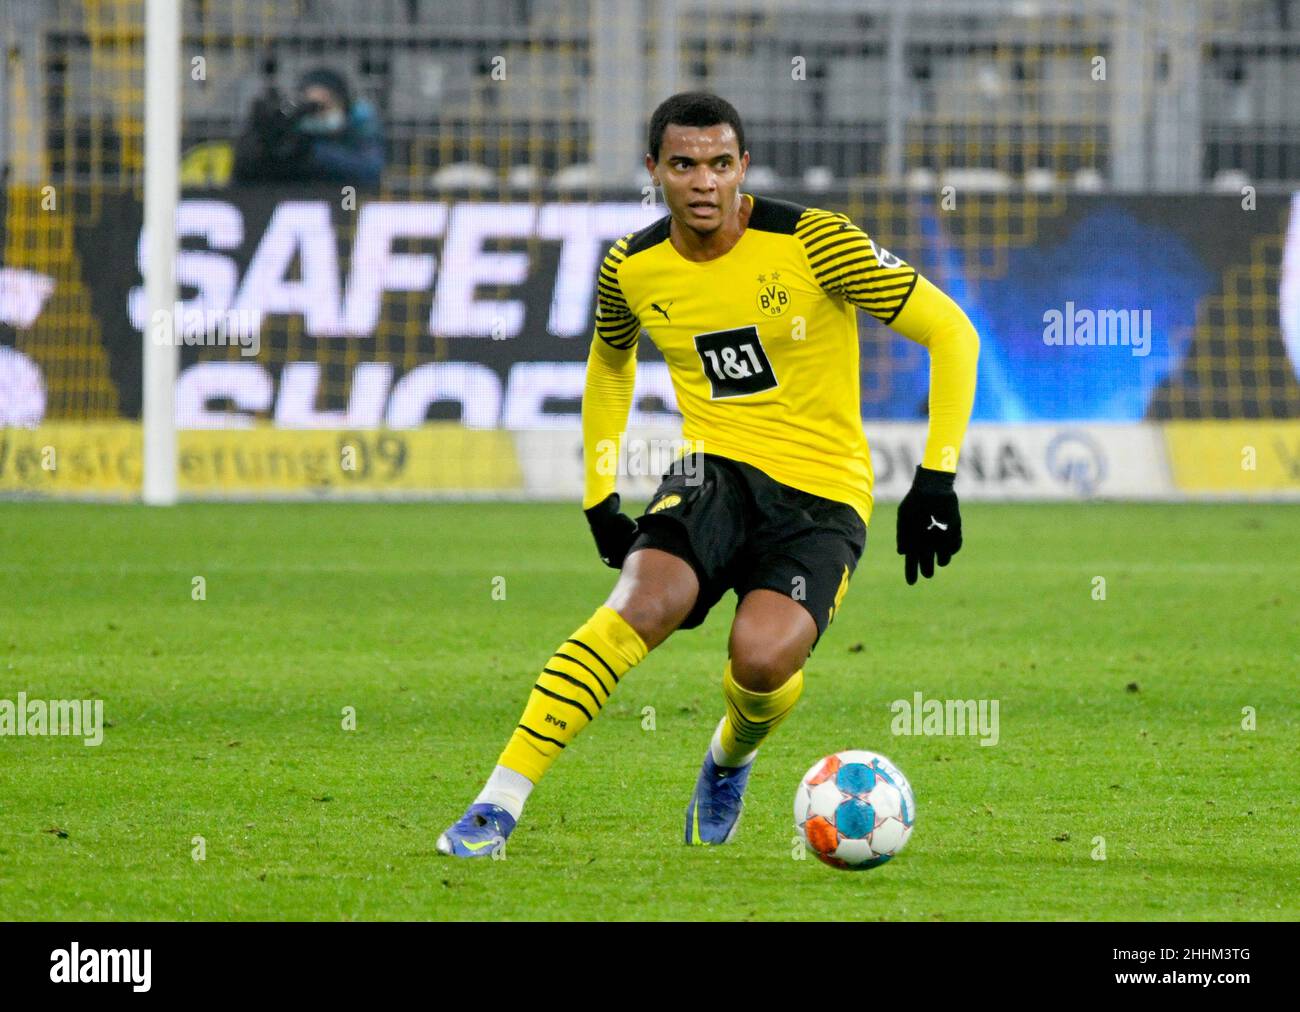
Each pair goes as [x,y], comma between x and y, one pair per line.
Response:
[855,810]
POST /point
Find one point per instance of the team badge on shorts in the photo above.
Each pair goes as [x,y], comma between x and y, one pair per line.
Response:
[665,503]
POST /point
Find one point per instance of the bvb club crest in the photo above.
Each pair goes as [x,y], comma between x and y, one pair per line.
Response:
[773,297]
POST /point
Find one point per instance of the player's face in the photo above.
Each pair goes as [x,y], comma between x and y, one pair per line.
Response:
[700,170]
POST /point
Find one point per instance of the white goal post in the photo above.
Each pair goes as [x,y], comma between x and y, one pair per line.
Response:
[162,101]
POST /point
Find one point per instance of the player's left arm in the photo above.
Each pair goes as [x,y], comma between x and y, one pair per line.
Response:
[847,263]
[931,319]
[929,520]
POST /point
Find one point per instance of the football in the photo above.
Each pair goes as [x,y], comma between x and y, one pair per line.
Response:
[855,810]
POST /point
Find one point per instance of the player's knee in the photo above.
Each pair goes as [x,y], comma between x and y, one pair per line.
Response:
[651,620]
[760,664]
[654,594]
[653,614]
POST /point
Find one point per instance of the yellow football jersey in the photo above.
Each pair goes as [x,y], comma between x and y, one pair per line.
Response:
[761,342]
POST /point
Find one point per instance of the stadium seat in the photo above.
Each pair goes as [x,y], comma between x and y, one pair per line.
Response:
[463,175]
[523,177]
[1230,181]
[977,180]
[762,178]
[1089,181]
[1040,180]
[580,176]
[922,180]
[818,178]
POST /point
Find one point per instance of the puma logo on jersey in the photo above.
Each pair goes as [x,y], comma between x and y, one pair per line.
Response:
[935,523]
[656,307]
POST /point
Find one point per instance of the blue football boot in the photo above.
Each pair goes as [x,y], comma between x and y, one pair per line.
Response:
[481,832]
[714,811]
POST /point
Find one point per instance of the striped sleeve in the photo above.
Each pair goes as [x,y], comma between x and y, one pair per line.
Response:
[846,262]
[616,324]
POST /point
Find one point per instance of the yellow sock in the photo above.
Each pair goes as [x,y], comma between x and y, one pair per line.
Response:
[751,717]
[571,690]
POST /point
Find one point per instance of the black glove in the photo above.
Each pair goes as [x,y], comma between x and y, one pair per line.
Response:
[614,531]
[929,524]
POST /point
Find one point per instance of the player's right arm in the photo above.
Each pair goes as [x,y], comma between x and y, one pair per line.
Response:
[606,403]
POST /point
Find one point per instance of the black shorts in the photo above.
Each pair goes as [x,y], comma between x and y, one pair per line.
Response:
[742,530]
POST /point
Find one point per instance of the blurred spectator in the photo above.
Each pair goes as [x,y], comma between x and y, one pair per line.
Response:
[320,133]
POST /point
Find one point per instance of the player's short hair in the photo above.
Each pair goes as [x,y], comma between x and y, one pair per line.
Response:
[696,109]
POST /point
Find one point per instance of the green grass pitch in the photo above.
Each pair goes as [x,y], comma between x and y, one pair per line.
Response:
[226,720]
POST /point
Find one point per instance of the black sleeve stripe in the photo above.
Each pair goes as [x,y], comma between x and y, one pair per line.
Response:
[563,699]
[906,295]
[856,283]
[875,306]
[539,737]
[888,272]
[622,343]
[611,306]
[821,232]
[623,340]
[612,298]
[826,235]
[816,222]
[825,255]
[841,261]
[620,337]
[878,290]
[616,324]
[599,680]
[615,321]
[595,655]
[848,265]
[816,215]
[573,681]
[751,726]
[882,273]
[610,281]
[619,325]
